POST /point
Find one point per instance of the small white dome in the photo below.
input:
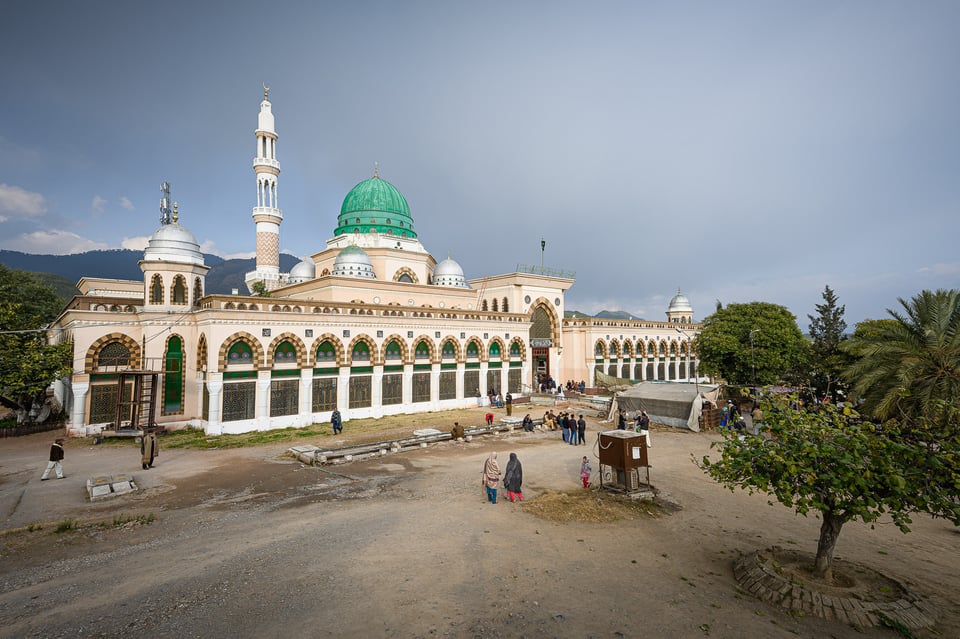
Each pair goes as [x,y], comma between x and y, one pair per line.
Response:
[173,243]
[449,273]
[679,304]
[303,271]
[353,261]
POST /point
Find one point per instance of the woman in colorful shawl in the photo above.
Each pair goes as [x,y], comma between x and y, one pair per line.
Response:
[490,477]
[513,478]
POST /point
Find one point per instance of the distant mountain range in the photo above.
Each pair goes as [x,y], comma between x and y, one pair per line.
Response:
[63,271]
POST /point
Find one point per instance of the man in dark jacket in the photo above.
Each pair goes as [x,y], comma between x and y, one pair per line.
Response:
[56,460]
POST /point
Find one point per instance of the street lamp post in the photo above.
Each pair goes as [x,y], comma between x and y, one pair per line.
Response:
[696,374]
[753,359]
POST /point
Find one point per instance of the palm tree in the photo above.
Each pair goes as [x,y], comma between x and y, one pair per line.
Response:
[909,368]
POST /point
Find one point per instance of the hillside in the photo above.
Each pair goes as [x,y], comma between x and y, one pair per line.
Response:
[121,264]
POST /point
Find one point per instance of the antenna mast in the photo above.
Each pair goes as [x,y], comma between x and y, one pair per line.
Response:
[165,212]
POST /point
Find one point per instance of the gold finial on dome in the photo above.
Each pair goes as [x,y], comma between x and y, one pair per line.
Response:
[176,213]
[376,169]
[266,92]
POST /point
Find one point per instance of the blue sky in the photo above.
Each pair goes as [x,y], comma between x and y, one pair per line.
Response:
[738,151]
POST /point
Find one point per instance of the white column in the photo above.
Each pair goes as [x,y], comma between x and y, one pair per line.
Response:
[215,388]
[408,383]
[343,392]
[435,385]
[376,391]
[79,412]
[262,410]
[305,410]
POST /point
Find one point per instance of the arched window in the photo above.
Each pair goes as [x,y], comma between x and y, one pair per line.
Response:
[405,278]
[472,351]
[422,351]
[495,309]
[361,352]
[156,289]
[447,351]
[286,353]
[326,353]
[504,306]
[598,350]
[240,353]
[483,306]
[197,291]
[495,351]
[393,352]
[114,355]
[178,294]
[514,350]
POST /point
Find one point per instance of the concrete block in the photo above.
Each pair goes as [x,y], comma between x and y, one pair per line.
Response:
[121,487]
[101,480]
[101,490]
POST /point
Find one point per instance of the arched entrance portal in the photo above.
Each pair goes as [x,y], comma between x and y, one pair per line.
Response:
[544,335]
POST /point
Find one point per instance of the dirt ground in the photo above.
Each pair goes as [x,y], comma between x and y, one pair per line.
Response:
[248,543]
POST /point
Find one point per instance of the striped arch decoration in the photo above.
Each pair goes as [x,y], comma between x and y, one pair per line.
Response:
[652,349]
[423,339]
[406,270]
[546,306]
[253,342]
[457,351]
[504,354]
[600,349]
[374,351]
[523,348]
[627,349]
[202,352]
[90,361]
[297,344]
[481,352]
[405,356]
[614,348]
[337,346]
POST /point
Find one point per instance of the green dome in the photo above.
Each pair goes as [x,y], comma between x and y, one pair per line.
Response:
[375,206]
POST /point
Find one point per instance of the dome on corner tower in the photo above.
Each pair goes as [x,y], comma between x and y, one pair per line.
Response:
[173,243]
[679,304]
[449,273]
[303,271]
[375,206]
[353,261]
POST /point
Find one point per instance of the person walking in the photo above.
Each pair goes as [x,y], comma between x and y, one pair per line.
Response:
[337,422]
[490,477]
[585,471]
[509,401]
[56,460]
[573,430]
[513,478]
[582,430]
[149,448]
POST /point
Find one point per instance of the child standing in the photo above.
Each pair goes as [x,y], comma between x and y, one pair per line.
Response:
[585,472]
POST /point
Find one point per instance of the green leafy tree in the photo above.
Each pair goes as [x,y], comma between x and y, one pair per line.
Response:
[908,367]
[827,462]
[827,330]
[260,289]
[28,364]
[778,347]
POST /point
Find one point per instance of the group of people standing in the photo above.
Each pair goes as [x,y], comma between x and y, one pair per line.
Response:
[572,428]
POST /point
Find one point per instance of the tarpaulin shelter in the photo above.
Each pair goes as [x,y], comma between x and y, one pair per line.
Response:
[669,403]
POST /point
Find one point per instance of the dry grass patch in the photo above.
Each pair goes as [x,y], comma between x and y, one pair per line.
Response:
[592,506]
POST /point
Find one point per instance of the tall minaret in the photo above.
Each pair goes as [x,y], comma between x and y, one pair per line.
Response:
[266,213]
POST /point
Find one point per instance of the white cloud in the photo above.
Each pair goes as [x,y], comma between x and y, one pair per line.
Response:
[210,247]
[19,201]
[53,243]
[97,204]
[941,269]
[3,218]
[126,203]
[137,243]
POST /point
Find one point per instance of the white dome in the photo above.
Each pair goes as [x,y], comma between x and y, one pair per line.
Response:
[173,243]
[303,271]
[679,304]
[353,261]
[449,273]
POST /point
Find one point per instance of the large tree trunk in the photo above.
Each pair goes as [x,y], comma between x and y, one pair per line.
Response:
[829,532]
